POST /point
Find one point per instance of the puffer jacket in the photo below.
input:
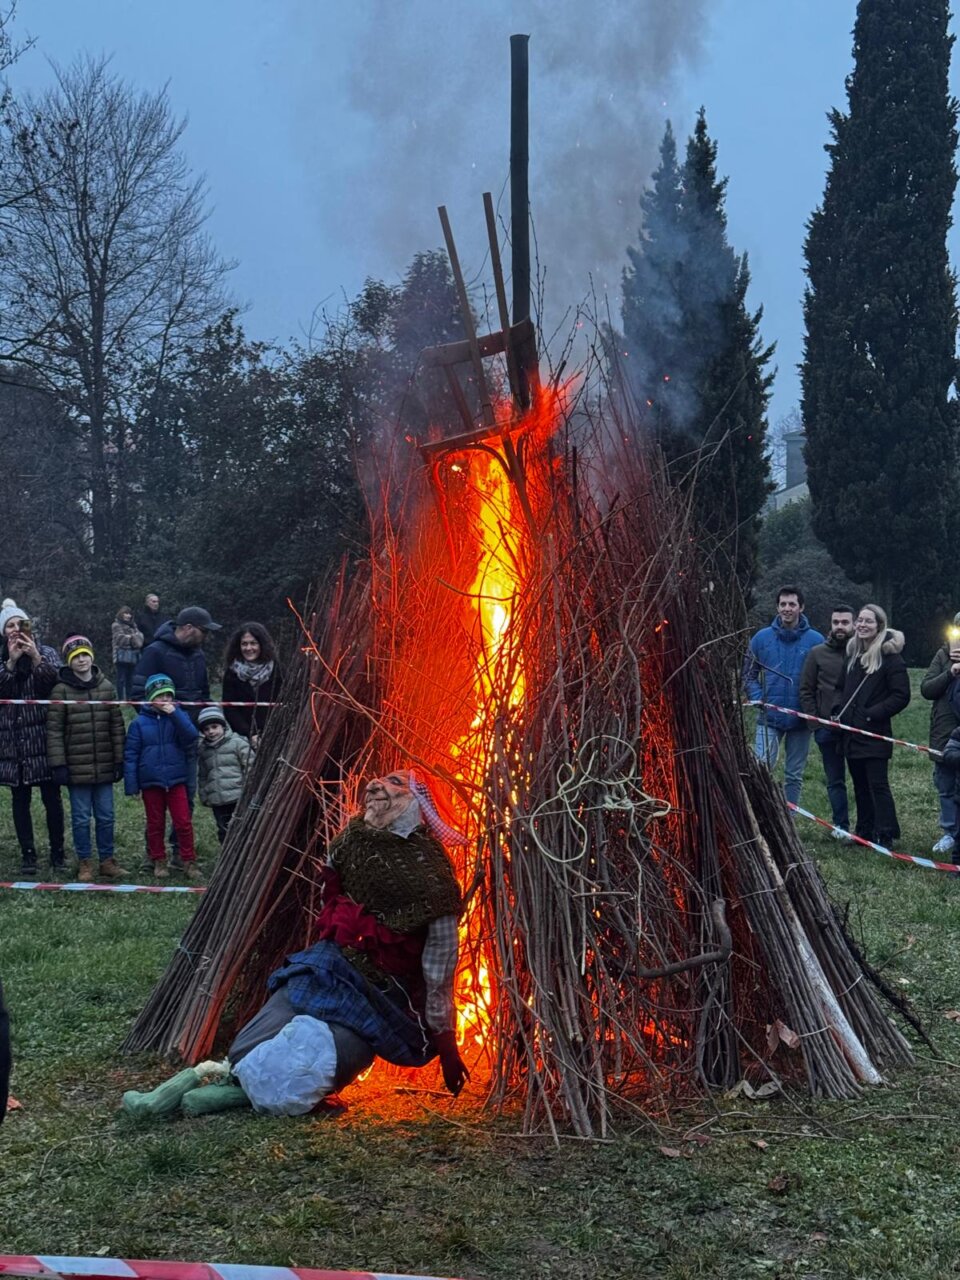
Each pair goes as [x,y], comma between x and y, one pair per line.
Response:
[223,767]
[156,750]
[870,701]
[773,666]
[85,738]
[936,687]
[186,667]
[23,730]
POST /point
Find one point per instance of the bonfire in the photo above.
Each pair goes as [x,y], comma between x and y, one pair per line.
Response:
[540,629]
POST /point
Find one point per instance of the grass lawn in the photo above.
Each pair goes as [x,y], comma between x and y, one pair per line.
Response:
[411,1182]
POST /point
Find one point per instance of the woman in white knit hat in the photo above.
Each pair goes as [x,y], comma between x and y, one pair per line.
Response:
[28,670]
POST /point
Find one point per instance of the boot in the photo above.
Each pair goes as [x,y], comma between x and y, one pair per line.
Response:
[28,864]
[212,1098]
[160,871]
[164,1098]
[110,869]
[85,873]
[57,859]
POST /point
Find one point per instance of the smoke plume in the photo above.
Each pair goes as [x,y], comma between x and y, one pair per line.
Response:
[432,79]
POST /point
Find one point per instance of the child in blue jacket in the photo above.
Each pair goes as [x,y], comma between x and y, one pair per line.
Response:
[155,765]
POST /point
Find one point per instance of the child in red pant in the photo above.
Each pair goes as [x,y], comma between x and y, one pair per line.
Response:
[155,765]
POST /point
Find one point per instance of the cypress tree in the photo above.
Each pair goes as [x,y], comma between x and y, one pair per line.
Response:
[693,351]
[880,309]
[732,387]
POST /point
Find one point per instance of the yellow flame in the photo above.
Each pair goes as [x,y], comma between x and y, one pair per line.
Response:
[493,592]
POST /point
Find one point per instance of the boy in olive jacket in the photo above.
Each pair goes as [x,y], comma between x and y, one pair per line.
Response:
[224,757]
[85,752]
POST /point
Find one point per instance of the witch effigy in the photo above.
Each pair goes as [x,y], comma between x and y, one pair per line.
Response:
[377,982]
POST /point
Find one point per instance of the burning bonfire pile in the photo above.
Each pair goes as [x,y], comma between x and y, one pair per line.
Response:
[534,630]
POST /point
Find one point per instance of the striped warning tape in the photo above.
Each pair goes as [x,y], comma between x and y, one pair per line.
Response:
[847,728]
[75,887]
[117,702]
[49,1266]
[929,863]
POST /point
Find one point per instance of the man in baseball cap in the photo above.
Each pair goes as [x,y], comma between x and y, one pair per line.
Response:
[194,616]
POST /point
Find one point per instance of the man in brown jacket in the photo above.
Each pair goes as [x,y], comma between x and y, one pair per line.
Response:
[820,683]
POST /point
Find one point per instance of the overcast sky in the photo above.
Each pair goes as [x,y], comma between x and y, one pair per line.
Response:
[329,132]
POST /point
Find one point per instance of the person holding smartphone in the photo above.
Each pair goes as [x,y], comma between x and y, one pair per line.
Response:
[936,687]
[28,670]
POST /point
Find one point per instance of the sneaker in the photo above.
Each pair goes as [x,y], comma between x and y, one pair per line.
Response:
[192,871]
[110,869]
[160,871]
[945,844]
[838,833]
[85,873]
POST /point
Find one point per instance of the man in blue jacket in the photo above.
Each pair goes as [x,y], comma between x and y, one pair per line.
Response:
[771,673]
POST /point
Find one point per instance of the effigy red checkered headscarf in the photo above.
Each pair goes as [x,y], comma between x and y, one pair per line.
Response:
[442,830]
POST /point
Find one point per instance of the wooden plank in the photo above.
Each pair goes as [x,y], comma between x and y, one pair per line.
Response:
[512,372]
[486,405]
[490,344]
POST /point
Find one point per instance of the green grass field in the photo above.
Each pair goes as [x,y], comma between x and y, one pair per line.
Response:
[412,1182]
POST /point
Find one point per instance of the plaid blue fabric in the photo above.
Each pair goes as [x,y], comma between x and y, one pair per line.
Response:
[322,983]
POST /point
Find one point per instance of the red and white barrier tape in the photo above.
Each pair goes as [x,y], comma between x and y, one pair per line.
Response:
[847,728]
[48,1267]
[928,863]
[76,887]
[116,702]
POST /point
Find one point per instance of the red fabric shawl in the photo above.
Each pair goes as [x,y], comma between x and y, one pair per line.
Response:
[350,925]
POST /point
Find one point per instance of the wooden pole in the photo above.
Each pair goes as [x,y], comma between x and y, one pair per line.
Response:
[486,405]
[512,372]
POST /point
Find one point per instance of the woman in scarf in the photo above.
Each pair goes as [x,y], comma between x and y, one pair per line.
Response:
[251,674]
[876,686]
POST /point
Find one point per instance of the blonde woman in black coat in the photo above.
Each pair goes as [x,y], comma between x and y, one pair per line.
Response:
[876,686]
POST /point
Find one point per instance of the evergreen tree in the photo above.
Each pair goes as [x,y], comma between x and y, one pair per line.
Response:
[653,303]
[880,308]
[694,354]
[727,368]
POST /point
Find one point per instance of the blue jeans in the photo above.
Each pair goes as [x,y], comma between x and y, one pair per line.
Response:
[835,772]
[98,801]
[766,747]
[945,781]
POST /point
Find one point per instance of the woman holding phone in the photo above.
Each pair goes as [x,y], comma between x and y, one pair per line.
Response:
[936,687]
[27,670]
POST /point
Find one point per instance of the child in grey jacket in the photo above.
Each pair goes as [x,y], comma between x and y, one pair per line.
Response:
[223,756]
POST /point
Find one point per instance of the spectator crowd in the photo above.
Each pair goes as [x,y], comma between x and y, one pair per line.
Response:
[855,679]
[62,727]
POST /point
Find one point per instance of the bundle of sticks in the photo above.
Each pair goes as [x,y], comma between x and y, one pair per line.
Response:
[643,923]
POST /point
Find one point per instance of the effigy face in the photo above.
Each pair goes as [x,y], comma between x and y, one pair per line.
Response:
[385,799]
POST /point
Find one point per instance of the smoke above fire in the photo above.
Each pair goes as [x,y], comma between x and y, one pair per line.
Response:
[432,81]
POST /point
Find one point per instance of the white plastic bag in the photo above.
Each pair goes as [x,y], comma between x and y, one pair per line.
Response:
[288,1075]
